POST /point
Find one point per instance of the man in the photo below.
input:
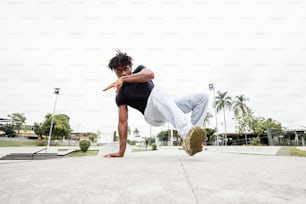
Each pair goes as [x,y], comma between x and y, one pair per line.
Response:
[137,90]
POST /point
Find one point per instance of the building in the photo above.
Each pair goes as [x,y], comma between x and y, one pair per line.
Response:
[291,137]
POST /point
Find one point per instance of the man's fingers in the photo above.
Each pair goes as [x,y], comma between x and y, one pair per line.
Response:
[117,85]
[110,86]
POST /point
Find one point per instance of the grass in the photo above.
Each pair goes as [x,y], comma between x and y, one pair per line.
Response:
[7,143]
[81,154]
[296,152]
[22,142]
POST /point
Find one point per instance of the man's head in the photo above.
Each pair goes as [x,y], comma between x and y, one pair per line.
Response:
[121,64]
[120,60]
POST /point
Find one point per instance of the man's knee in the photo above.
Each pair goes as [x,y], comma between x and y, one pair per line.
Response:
[203,97]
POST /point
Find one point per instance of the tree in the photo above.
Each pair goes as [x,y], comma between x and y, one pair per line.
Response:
[257,125]
[245,121]
[129,130]
[38,129]
[207,119]
[209,134]
[61,127]
[273,124]
[8,129]
[177,140]
[93,136]
[163,135]
[239,106]
[136,132]
[223,101]
[18,119]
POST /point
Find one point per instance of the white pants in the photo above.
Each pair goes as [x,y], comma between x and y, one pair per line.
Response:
[161,108]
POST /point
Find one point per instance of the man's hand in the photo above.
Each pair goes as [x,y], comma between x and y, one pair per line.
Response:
[118,154]
[116,85]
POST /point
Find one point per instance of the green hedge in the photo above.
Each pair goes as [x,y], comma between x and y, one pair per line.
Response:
[84,145]
[154,146]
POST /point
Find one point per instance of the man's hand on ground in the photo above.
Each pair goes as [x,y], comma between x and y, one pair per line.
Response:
[118,154]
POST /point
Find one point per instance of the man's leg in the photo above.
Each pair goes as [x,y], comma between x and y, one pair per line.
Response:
[197,104]
[161,107]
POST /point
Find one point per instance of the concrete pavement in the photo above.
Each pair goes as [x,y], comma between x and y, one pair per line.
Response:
[260,150]
[164,176]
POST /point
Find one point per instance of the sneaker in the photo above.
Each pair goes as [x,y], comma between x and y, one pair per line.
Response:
[186,148]
[194,141]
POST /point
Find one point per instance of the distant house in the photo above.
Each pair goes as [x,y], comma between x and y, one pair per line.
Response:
[79,135]
[234,138]
[294,137]
[4,121]
[28,131]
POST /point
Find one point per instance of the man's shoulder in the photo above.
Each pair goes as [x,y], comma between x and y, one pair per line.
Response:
[139,68]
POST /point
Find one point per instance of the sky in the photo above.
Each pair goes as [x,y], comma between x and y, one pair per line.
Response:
[251,47]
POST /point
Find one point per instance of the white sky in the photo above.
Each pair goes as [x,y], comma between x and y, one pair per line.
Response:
[251,47]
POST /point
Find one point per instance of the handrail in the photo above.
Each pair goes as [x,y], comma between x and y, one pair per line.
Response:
[37,152]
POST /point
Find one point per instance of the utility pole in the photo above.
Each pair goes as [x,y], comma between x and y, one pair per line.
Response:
[212,87]
[56,92]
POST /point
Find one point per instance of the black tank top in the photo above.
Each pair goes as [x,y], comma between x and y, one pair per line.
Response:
[135,95]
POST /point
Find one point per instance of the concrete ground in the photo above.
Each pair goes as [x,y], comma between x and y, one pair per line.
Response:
[164,176]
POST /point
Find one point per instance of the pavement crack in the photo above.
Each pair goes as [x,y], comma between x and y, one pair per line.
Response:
[188,181]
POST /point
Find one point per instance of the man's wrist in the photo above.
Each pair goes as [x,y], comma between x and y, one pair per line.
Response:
[123,78]
[122,148]
[120,153]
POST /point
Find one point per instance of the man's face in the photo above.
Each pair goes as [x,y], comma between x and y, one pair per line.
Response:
[123,71]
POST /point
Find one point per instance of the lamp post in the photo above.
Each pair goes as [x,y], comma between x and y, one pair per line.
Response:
[56,92]
[212,87]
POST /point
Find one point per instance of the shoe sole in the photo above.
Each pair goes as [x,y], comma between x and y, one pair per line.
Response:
[196,140]
[186,148]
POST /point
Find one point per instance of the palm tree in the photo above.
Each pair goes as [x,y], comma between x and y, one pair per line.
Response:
[136,132]
[207,119]
[239,105]
[223,101]
[129,130]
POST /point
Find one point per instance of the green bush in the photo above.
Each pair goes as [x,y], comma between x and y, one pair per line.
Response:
[131,142]
[255,141]
[84,145]
[154,146]
[42,143]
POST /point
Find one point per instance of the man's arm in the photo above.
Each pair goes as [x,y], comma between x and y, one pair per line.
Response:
[143,76]
[123,131]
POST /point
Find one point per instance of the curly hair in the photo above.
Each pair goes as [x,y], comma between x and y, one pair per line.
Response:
[121,59]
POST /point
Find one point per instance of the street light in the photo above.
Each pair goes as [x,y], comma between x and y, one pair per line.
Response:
[212,87]
[56,92]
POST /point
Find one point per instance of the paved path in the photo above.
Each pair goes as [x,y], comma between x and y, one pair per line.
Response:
[164,176]
[260,150]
